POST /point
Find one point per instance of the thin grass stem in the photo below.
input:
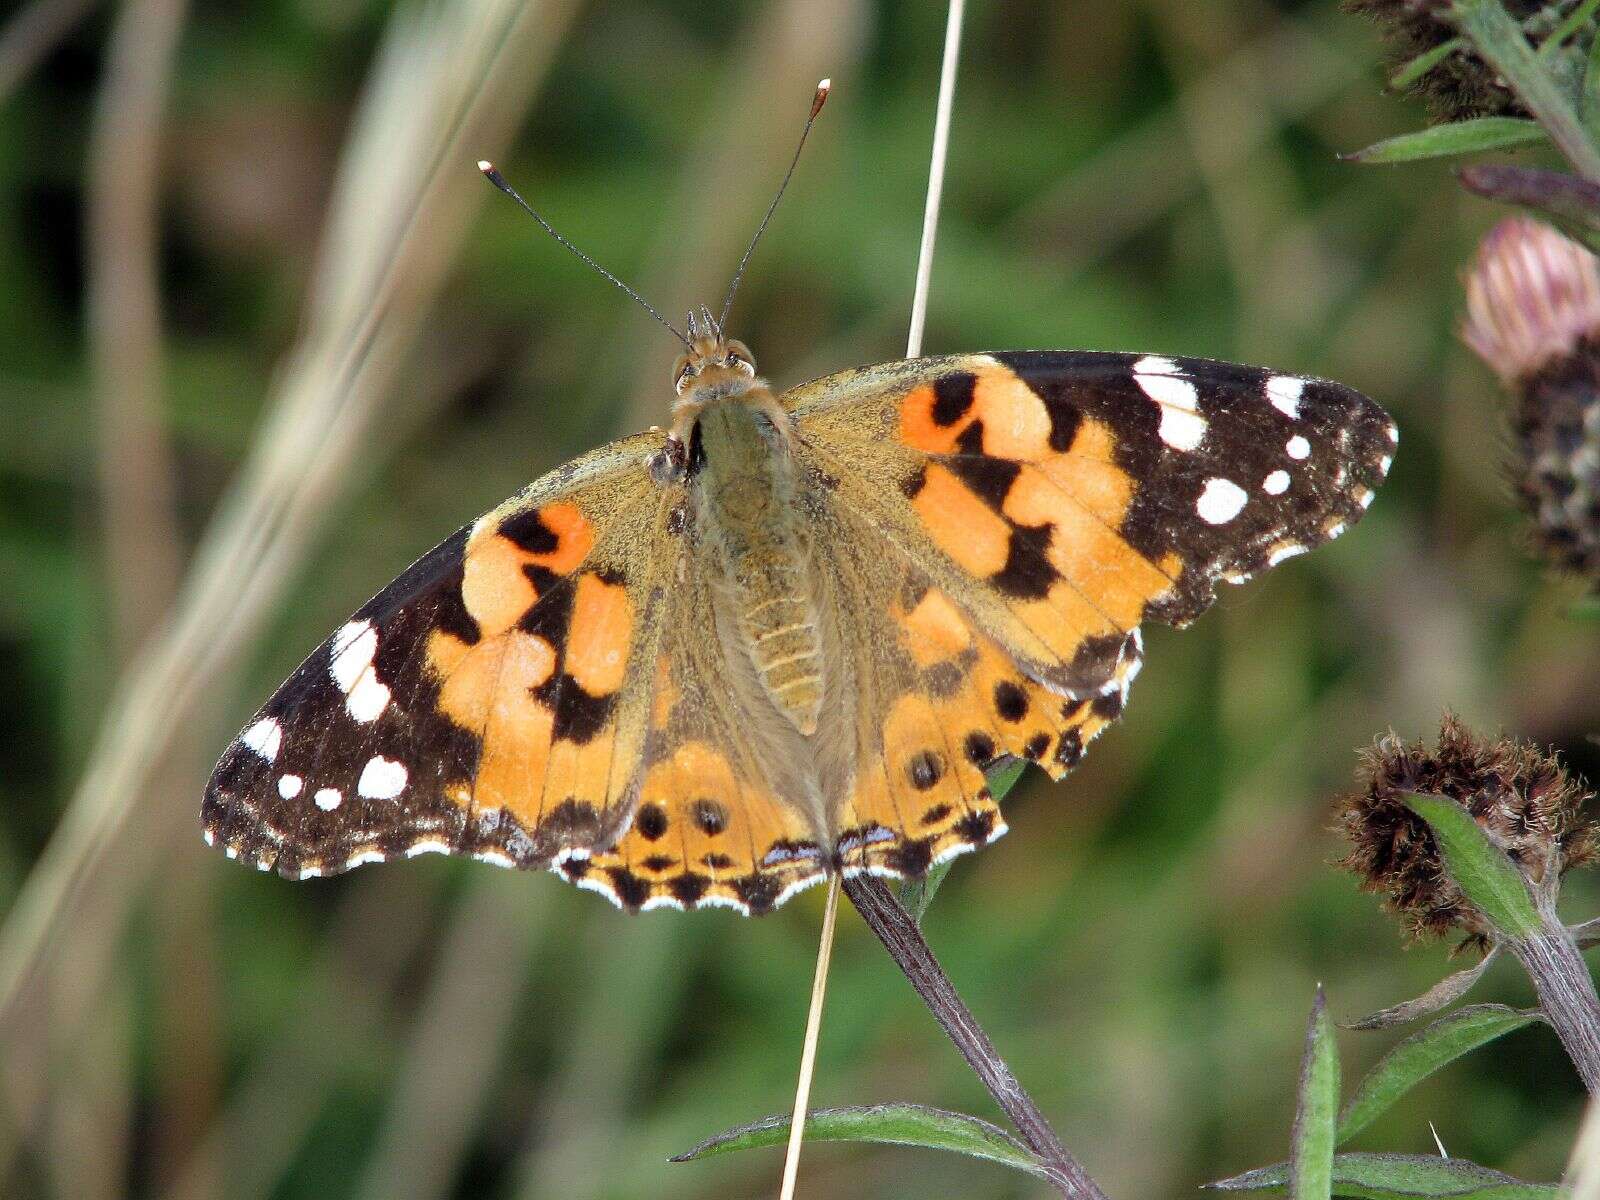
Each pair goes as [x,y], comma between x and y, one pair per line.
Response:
[808,1054]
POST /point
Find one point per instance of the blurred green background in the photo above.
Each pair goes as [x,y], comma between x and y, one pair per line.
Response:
[267,336]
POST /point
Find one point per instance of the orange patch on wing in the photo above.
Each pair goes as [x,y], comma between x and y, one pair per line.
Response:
[1085,549]
[488,692]
[935,629]
[919,430]
[495,588]
[574,537]
[599,635]
[961,524]
[1016,424]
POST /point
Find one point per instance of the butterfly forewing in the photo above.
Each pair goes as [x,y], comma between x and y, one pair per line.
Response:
[484,703]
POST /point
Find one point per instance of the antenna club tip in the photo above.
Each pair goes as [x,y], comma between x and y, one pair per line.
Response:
[821,97]
[485,165]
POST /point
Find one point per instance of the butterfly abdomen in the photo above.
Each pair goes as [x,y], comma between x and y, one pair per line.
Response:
[752,535]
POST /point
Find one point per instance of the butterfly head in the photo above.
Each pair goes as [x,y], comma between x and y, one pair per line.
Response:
[714,365]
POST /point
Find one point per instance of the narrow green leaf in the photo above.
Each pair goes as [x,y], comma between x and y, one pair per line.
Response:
[1423,63]
[889,1124]
[1441,995]
[1400,1177]
[917,894]
[1589,93]
[1004,777]
[1477,136]
[1423,1053]
[1316,1114]
[1479,867]
[1570,24]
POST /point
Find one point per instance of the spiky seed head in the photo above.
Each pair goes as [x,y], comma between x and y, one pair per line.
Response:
[1520,795]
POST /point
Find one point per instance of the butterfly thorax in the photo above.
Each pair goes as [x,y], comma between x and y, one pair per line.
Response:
[750,534]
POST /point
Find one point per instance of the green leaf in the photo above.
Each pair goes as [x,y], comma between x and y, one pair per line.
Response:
[1400,1177]
[1477,136]
[1423,63]
[1004,777]
[888,1124]
[1441,995]
[1423,1053]
[1311,1168]
[917,894]
[1479,867]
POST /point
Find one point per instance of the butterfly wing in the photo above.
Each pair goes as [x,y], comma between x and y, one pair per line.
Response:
[1003,523]
[716,824]
[491,701]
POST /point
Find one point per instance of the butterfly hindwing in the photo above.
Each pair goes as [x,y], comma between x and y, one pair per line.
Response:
[484,703]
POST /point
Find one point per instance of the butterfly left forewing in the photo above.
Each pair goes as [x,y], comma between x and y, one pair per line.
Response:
[485,703]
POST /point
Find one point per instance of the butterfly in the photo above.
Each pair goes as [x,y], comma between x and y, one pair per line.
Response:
[788,635]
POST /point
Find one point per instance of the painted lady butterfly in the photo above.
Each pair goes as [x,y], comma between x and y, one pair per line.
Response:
[786,636]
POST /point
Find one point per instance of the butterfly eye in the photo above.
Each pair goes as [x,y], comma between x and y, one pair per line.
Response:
[738,362]
[685,373]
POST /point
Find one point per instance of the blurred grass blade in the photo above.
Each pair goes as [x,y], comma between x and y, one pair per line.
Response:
[889,1124]
[1479,867]
[1423,63]
[917,894]
[1477,136]
[1570,25]
[1400,1177]
[1311,1168]
[1423,1053]
[1587,609]
[1441,995]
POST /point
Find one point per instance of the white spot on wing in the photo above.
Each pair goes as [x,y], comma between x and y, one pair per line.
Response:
[1276,484]
[354,648]
[1284,392]
[1154,364]
[367,699]
[1220,501]
[265,737]
[289,786]
[430,846]
[328,799]
[1284,552]
[1169,389]
[1385,463]
[1180,429]
[382,778]
[1297,447]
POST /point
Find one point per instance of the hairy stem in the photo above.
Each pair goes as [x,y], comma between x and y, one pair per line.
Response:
[1566,994]
[899,935]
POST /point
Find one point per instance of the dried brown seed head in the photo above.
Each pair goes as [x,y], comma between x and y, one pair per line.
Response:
[1520,795]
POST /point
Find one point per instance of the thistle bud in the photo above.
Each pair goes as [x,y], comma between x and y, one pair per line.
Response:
[1533,315]
[1519,795]
[1462,85]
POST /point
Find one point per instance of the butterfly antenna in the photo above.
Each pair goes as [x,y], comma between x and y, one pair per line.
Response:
[817,102]
[492,174]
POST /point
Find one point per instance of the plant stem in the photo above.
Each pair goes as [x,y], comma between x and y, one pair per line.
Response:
[899,935]
[1566,994]
[1501,42]
[808,1054]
